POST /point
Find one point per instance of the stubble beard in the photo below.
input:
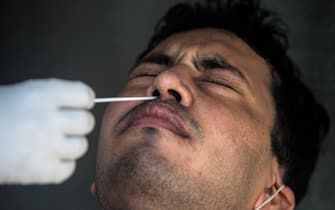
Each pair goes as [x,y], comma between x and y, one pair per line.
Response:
[142,179]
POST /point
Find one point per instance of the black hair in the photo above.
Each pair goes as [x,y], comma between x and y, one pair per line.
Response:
[301,123]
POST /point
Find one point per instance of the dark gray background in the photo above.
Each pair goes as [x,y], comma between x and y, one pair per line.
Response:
[97,42]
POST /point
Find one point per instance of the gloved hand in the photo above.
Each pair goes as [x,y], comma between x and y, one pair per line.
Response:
[42,128]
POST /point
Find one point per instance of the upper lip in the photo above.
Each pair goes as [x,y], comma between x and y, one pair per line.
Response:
[167,116]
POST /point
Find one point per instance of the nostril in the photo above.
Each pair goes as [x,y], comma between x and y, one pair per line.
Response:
[156,93]
[175,94]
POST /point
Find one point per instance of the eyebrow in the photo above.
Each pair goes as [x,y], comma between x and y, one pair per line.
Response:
[200,62]
[157,58]
[209,62]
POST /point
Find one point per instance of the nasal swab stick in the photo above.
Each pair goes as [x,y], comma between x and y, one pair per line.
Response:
[120,99]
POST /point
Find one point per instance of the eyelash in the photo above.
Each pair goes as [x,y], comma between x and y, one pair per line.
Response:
[146,75]
[220,83]
[143,75]
[212,81]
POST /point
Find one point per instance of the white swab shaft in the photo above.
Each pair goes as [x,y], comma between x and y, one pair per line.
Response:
[270,198]
[120,99]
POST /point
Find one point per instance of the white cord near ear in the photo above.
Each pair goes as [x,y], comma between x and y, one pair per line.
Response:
[270,198]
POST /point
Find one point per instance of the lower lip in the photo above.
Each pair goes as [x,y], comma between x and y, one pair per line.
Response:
[159,123]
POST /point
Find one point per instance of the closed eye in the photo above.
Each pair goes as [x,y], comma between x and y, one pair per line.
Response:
[219,83]
[212,63]
[151,65]
[144,75]
[141,74]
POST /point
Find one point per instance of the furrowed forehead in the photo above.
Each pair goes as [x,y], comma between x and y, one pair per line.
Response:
[206,38]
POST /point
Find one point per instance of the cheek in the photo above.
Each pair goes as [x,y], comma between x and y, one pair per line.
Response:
[112,114]
[233,137]
[109,119]
[235,124]
[137,86]
[115,111]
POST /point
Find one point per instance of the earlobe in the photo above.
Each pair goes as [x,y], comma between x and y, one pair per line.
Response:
[286,199]
[93,189]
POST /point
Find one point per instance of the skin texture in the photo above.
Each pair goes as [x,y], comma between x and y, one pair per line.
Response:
[205,143]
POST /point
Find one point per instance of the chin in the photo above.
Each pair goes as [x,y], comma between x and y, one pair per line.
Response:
[134,178]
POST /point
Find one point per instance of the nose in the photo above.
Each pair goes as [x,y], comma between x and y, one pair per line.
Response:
[173,84]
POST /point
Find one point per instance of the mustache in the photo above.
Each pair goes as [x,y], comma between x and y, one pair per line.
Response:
[173,105]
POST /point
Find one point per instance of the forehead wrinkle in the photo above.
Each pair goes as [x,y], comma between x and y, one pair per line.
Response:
[206,48]
[183,54]
[217,40]
[212,41]
[174,49]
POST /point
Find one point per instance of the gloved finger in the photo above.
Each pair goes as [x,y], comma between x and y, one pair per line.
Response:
[66,93]
[64,169]
[72,148]
[48,171]
[76,121]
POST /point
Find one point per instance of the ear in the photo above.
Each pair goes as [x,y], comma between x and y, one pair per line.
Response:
[93,189]
[284,200]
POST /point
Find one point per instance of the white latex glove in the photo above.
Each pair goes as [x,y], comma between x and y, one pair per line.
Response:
[43,124]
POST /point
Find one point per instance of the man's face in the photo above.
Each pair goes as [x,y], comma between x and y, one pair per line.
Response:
[204,143]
